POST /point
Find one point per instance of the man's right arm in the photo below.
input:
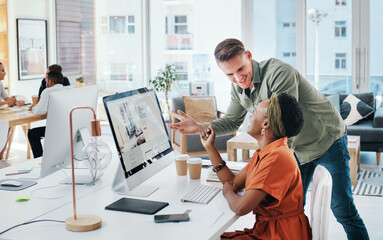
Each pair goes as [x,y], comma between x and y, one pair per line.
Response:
[42,105]
[233,118]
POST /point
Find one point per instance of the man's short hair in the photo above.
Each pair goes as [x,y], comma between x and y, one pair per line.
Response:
[56,77]
[291,113]
[227,49]
[55,67]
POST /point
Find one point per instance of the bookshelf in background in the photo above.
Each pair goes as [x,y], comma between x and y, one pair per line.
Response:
[4,40]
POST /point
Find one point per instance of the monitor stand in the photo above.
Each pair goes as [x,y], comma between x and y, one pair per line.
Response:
[81,178]
[121,187]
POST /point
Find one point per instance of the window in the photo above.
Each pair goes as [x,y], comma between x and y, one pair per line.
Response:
[289,24]
[340,28]
[104,25]
[181,71]
[131,71]
[117,25]
[166,25]
[131,23]
[289,54]
[75,38]
[340,61]
[118,71]
[340,2]
[180,24]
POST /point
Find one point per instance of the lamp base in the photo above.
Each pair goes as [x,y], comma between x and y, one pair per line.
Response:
[83,223]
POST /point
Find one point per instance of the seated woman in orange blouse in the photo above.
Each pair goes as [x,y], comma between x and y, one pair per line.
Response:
[272,180]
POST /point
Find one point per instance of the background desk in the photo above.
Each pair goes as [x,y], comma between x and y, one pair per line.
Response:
[20,117]
[121,225]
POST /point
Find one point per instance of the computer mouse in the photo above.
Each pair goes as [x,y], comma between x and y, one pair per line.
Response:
[11,183]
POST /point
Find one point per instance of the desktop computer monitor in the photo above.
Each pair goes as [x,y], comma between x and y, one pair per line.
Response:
[57,152]
[141,138]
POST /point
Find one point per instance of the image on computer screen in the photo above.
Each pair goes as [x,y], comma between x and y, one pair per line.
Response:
[138,128]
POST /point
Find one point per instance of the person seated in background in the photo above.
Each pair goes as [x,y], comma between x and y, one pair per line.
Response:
[6,100]
[54,83]
[54,67]
[272,179]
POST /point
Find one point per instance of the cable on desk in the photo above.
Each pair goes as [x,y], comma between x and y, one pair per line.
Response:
[60,196]
[26,223]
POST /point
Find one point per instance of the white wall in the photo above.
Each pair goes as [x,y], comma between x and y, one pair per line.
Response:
[36,9]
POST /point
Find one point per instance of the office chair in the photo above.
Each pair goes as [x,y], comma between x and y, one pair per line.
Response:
[321,188]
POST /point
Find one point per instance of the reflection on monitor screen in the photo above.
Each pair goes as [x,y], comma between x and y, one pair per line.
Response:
[141,138]
[57,151]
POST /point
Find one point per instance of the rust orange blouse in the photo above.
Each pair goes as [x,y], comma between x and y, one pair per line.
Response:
[280,215]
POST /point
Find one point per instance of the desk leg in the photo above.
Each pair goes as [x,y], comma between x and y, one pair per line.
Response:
[231,153]
[25,129]
[10,139]
[245,155]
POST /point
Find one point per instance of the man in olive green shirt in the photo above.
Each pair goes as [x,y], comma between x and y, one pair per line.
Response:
[322,140]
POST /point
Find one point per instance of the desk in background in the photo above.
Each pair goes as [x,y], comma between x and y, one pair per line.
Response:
[19,116]
[242,141]
[116,225]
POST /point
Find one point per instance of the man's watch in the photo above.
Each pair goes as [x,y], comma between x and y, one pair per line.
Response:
[219,166]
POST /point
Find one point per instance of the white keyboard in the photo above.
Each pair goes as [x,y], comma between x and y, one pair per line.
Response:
[202,194]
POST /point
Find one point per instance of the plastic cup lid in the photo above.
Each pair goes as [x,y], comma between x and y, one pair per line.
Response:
[195,161]
[182,157]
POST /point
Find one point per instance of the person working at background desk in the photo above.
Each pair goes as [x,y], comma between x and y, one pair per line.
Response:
[54,83]
[6,100]
[53,67]
[322,141]
[272,180]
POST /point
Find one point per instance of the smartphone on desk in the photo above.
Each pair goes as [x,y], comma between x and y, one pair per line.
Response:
[183,217]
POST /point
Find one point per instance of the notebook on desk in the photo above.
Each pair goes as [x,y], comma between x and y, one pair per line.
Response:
[235,167]
[136,206]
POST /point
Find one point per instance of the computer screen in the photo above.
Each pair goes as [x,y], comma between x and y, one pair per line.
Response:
[57,150]
[141,138]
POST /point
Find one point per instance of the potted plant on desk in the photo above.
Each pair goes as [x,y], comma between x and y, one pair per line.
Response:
[80,81]
[164,80]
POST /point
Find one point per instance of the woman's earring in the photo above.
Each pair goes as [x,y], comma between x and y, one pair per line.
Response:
[263,131]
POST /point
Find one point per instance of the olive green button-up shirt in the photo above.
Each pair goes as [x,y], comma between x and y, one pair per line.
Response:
[322,126]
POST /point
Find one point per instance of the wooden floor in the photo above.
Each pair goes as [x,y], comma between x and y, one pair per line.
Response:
[370,208]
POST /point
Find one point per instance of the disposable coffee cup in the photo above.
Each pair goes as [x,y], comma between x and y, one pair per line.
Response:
[35,99]
[181,164]
[195,166]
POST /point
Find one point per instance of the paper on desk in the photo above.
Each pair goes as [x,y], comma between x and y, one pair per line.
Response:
[235,167]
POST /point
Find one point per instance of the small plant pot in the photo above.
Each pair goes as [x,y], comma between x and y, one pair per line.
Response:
[79,84]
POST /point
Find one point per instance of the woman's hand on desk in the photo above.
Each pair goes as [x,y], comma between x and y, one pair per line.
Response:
[208,141]
[20,103]
[229,187]
[10,101]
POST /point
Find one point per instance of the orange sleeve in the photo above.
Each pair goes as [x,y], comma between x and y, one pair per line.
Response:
[273,175]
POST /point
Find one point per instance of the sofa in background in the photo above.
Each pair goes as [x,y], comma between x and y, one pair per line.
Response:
[370,129]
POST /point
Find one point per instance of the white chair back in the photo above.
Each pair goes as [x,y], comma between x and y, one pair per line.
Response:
[321,188]
[4,125]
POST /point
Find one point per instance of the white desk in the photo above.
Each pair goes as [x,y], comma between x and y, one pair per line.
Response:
[13,213]
[121,225]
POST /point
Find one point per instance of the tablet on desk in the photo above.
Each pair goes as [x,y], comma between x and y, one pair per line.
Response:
[137,206]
